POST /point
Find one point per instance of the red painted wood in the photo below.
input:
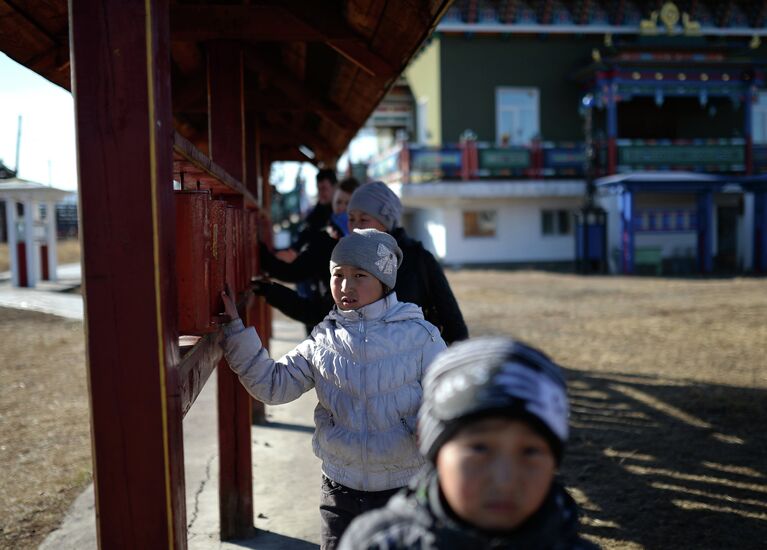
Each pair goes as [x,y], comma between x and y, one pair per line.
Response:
[226,131]
[217,220]
[21,259]
[200,169]
[196,367]
[193,262]
[44,267]
[125,139]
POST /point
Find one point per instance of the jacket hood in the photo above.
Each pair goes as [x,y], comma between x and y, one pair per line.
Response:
[555,522]
[388,309]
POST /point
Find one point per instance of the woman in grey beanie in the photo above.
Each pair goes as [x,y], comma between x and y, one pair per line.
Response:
[365,360]
[421,279]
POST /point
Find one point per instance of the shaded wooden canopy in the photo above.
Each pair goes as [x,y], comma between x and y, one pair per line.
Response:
[313,71]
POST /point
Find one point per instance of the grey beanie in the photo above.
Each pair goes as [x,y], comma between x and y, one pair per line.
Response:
[377,200]
[492,377]
[374,251]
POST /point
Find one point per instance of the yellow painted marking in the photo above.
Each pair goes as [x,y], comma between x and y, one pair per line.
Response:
[156,253]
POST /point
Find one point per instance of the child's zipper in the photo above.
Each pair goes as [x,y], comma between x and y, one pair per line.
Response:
[363,358]
[404,423]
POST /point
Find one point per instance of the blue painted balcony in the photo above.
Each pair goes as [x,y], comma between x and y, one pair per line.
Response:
[410,163]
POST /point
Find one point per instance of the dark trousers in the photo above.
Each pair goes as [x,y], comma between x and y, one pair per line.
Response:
[339,505]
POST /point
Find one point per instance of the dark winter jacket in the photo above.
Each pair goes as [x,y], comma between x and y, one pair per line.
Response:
[418,518]
[420,280]
[312,263]
[315,221]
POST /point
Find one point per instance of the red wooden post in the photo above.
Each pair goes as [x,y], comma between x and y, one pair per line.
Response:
[21,258]
[253,181]
[121,84]
[45,274]
[226,125]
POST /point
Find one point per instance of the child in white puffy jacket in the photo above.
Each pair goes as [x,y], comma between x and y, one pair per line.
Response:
[365,360]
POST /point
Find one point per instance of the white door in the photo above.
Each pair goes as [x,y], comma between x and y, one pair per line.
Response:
[517,120]
[759,119]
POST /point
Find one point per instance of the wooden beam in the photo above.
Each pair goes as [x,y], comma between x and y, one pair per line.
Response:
[29,43]
[296,91]
[226,127]
[254,23]
[190,99]
[341,37]
[307,22]
[124,137]
[196,367]
[285,153]
[292,135]
[198,167]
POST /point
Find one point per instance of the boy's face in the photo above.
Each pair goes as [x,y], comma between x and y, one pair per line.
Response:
[362,220]
[340,201]
[353,288]
[495,473]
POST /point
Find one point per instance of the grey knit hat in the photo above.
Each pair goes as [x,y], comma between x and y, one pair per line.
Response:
[374,251]
[492,377]
[377,200]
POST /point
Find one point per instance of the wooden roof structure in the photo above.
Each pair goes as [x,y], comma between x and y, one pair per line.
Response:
[313,71]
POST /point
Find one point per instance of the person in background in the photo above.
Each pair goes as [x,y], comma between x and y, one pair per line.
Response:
[492,426]
[311,264]
[365,361]
[421,279]
[318,217]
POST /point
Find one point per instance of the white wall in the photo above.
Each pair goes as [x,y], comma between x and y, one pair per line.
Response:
[428,226]
[746,233]
[611,204]
[518,236]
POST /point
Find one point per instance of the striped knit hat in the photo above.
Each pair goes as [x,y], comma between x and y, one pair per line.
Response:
[489,377]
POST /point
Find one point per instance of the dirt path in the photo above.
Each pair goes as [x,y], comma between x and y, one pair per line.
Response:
[668,382]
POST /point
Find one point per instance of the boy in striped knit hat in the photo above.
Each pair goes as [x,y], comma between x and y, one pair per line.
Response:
[492,427]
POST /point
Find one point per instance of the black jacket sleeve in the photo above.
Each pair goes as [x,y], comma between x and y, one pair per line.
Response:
[443,302]
[307,311]
[313,261]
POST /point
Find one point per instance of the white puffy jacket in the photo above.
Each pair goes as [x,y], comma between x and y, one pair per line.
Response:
[366,365]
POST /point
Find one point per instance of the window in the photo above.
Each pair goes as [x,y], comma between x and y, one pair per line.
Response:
[479,223]
[759,119]
[556,222]
[516,115]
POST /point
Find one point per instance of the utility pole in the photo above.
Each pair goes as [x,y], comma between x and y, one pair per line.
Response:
[18,147]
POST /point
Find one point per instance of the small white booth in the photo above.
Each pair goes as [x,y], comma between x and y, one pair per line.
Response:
[31,229]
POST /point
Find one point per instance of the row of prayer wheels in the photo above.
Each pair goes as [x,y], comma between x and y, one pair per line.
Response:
[217,244]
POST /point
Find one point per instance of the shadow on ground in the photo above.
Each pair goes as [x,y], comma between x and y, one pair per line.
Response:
[286,426]
[664,463]
[266,540]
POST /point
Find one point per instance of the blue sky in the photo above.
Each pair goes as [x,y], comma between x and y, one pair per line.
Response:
[48,153]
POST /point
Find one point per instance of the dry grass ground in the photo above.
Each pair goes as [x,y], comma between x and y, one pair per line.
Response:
[668,381]
[44,431]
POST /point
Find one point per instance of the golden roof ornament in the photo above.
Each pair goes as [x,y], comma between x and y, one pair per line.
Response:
[669,16]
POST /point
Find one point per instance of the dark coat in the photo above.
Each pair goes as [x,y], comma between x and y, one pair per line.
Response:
[420,280]
[315,221]
[313,266]
[417,517]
